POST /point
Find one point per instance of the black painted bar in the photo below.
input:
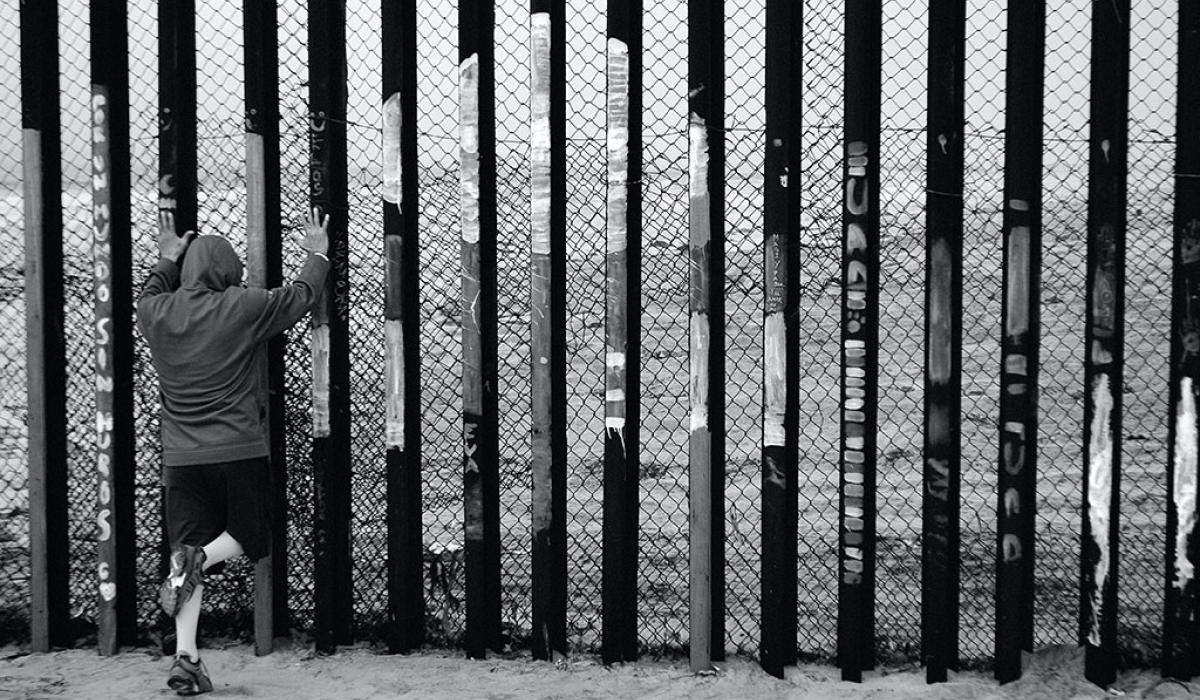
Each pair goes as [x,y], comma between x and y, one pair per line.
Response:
[402,327]
[45,354]
[548,366]
[1104,334]
[333,595]
[860,335]
[1020,335]
[622,409]
[481,483]
[1181,626]
[781,334]
[264,269]
[943,339]
[706,215]
[116,448]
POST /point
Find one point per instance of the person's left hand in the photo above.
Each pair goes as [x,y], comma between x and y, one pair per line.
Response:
[170,245]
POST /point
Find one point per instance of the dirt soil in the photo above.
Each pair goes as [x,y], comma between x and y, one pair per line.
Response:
[296,673]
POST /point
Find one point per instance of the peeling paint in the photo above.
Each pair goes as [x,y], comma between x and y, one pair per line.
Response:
[393,333]
[1100,456]
[699,371]
[775,378]
[391,149]
[618,144]
[320,390]
[1183,488]
[539,152]
[468,139]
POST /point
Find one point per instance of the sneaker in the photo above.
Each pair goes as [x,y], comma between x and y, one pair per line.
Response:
[188,677]
[187,572]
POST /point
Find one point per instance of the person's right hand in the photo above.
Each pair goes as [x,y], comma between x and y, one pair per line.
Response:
[315,238]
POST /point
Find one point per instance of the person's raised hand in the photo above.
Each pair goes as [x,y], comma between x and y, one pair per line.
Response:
[171,245]
[315,238]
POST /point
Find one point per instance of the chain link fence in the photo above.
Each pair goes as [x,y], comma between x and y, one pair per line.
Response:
[663,569]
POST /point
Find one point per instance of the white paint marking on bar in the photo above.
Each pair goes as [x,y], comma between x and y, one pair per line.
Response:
[775,390]
[697,158]
[614,395]
[468,139]
[618,145]
[320,390]
[1183,488]
[393,333]
[391,149]
[539,152]
[614,359]
[1100,457]
[699,371]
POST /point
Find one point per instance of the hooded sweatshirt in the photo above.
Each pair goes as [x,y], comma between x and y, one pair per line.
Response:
[207,336]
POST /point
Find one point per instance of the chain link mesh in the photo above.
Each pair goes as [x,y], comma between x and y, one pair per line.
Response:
[663,571]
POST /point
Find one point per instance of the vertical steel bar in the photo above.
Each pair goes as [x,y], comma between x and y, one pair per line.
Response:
[477,137]
[45,350]
[1104,337]
[1181,622]
[402,326]
[622,410]
[264,269]
[1020,336]
[943,338]
[860,335]
[334,600]
[706,224]
[548,326]
[113,269]
[781,334]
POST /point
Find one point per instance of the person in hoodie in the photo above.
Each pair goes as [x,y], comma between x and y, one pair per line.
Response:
[207,335]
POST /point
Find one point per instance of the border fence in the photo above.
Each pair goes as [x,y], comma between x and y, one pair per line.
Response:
[789,330]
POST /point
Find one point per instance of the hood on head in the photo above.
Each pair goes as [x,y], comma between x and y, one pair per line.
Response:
[211,263]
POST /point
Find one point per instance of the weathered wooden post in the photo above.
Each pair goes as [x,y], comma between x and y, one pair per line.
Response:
[477,172]
[402,326]
[623,343]
[706,350]
[781,333]
[1181,622]
[1104,353]
[860,335]
[45,349]
[113,269]
[264,269]
[548,322]
[943,338]
[1020,336]
[333,596]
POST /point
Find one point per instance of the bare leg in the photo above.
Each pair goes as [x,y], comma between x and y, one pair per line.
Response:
[185,625]
[223,548]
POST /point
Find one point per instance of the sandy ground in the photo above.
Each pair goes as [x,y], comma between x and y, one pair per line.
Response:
[360,673]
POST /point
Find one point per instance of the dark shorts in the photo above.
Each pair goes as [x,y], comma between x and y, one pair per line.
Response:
[204,500]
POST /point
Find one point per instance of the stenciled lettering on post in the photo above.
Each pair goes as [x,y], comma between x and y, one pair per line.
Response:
[1016,394]
[854,353]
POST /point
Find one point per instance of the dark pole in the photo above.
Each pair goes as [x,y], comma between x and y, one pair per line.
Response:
[264,269]
[113,260]
[1181,628]
[481,485]
[706,216]
[943,339]
[860,334]
[1104,338]
[1020,337]
[781,334]
[402,326]
[45,353]
[548,327]
[622,409]
[333,597]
